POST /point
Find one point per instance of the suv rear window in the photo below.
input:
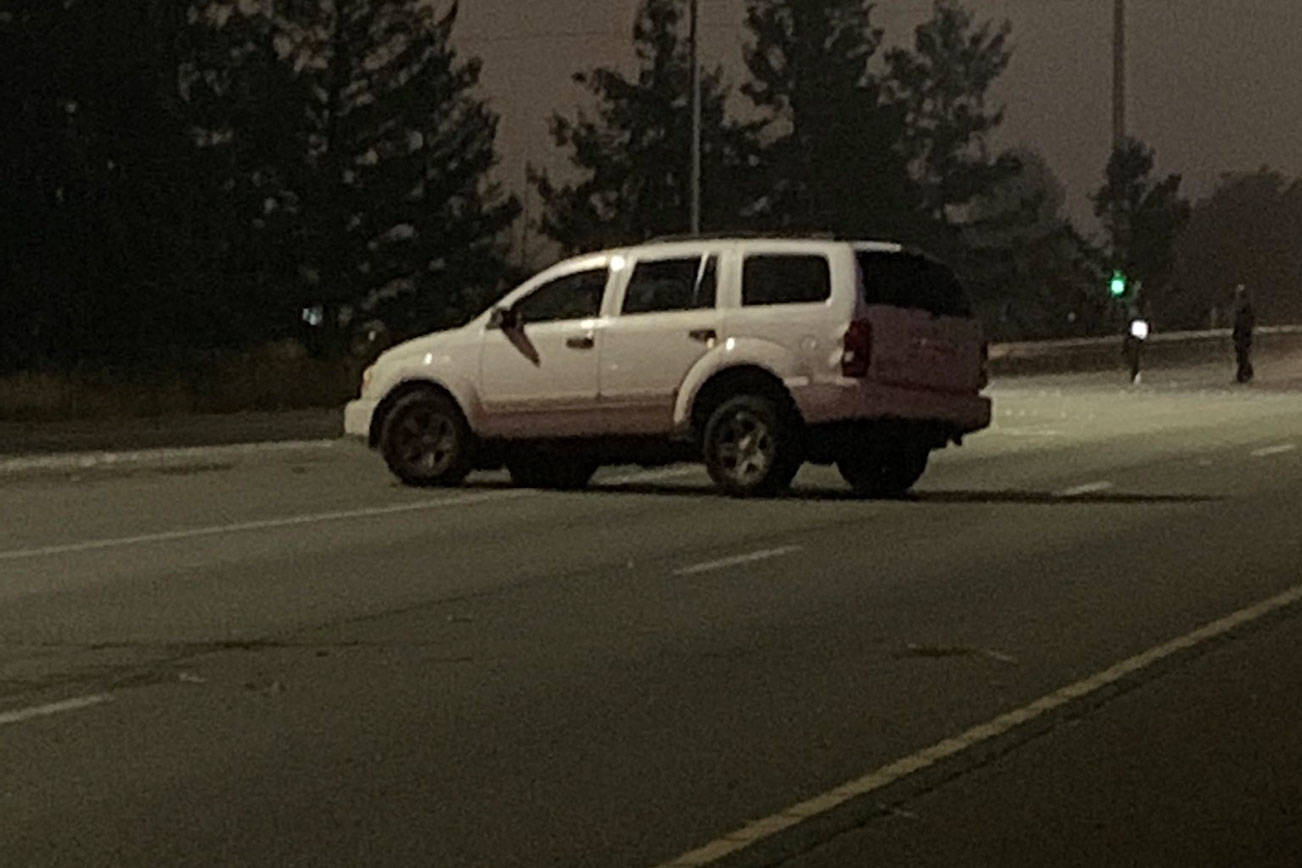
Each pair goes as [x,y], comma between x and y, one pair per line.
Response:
[785,280]
[908,280]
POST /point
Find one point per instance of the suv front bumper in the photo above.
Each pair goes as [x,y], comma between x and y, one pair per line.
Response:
[357,418]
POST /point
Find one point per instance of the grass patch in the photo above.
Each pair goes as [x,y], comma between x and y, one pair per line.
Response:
[275,377]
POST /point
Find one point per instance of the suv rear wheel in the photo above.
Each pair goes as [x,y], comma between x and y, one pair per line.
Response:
[425,440]
[885,470]
[751,446]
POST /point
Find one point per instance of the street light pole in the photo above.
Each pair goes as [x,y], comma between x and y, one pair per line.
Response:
[694,13]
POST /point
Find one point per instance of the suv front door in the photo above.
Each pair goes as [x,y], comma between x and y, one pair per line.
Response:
[539,377]
[667,321]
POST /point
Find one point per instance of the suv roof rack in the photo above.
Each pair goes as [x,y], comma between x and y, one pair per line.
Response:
[745,234]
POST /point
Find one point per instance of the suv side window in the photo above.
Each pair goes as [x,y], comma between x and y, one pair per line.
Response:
[575,296]
[795,279]
[672,284]
[908,280]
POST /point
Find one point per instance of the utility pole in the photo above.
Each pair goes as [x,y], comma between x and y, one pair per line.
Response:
[695,13]
[1118,73]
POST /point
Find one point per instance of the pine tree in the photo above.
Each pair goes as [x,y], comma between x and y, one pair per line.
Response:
[833,158]
[357,157]
[1143,218]
[243,103]
[1031,273]
[392,202]
[93,152]
[634,155]
[943,84]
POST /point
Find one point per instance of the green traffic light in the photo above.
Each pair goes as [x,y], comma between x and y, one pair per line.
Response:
[1118,283]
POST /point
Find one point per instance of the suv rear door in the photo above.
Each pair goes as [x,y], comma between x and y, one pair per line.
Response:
[922,329]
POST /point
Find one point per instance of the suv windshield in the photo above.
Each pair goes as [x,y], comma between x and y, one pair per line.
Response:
[909,280]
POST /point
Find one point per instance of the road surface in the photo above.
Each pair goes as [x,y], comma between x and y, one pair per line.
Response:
[286,659]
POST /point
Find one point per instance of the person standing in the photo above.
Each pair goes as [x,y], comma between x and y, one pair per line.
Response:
[1244,322]
[1132,344]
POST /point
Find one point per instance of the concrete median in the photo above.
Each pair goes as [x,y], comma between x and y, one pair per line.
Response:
[1173,349]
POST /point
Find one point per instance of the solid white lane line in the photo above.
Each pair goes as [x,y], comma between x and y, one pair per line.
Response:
[311,518]
[1274,450]
[22,714]
[1087,488]
[722,563]
[902,768]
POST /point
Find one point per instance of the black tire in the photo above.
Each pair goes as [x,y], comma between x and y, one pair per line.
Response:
[884,470]
[751,446]
[426,441]
[541,468]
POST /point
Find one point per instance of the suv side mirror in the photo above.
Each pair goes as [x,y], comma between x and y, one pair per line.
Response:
[505,318]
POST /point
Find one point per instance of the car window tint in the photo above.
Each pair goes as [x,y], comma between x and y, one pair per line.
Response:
[665,285]
[575,296]
[911,281]
[786,280]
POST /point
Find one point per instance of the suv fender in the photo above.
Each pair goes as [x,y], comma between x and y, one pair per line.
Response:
[417,376]
[770,357]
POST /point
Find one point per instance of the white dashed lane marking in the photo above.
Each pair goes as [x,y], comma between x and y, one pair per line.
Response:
[1088,488]
[723,563]
[21,714]
[1274,450]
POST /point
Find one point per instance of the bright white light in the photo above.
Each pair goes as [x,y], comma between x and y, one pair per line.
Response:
[429,358]
[618,264]
[1139,329]
[730,344]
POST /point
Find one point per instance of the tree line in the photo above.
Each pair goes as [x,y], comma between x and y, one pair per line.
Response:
[188,175]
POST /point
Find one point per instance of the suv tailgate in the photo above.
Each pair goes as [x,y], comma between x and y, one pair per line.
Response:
[923,331]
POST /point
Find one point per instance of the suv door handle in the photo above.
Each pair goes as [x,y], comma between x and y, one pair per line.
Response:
[585,342]
[703,335]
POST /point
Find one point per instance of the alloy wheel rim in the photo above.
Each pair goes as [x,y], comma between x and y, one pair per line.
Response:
[427,442]
[745,448]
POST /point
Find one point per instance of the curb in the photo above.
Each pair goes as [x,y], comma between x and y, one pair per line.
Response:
[165,457]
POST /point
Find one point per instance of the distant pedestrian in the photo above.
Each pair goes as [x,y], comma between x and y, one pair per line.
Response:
[1244,322]
[1132,345]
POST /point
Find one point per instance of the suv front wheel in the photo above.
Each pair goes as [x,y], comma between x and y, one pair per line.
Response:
[751,446]
[426,441]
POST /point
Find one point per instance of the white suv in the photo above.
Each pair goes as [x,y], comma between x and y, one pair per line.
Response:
[755,355]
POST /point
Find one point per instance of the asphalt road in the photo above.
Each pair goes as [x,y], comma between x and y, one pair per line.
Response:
[286,659]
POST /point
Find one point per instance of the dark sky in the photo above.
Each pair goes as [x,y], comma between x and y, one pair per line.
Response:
[1215,85]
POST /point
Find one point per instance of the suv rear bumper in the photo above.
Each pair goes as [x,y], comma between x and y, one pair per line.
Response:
[866,400]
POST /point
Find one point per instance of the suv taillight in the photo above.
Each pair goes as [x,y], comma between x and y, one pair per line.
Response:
[858,349]
[985,364]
